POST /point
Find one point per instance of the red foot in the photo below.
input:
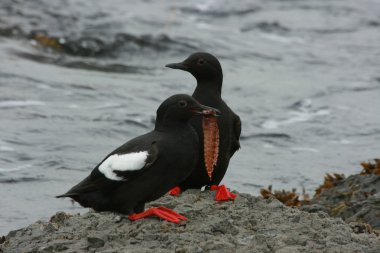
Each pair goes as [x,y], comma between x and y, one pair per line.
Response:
[175,191]
[161,212]
[222,194]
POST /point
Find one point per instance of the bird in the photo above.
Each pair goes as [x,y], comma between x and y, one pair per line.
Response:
[146,167]
[208,73]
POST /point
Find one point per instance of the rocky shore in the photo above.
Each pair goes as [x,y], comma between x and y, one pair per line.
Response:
[249,224]
[355,199]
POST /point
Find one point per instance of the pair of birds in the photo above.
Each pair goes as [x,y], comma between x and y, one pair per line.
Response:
[172,155]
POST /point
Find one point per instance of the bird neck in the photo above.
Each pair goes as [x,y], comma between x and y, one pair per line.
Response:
[208,88]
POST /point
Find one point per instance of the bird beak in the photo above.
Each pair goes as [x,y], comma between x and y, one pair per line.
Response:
[206,110]
[180,65]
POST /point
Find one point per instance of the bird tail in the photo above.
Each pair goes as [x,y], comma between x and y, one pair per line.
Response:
[95,199]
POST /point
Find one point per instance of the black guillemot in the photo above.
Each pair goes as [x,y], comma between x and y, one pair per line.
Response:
[208,72]
[146,167]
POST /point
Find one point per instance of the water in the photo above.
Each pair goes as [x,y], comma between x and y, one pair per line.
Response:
[79,78]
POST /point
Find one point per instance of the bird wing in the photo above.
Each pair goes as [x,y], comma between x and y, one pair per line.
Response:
[149,159]
[115,169]
[237,132]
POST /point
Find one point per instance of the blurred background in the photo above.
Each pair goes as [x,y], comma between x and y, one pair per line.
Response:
[79,78]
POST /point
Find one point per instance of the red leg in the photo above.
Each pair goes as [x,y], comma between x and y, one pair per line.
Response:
[175,191]
[170,211]
[161,212]
[222,193]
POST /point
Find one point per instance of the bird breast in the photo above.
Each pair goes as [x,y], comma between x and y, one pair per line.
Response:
[210,143]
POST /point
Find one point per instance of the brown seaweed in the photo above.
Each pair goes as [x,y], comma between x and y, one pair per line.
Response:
[370,168]
[288,198]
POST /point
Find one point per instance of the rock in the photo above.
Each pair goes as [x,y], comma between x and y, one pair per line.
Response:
[248,224]
[354,199]
[95,242]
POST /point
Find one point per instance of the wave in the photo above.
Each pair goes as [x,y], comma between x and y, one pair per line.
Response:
[133,122]
[305,149]
[269,27]
[96,47]
[20,103]
[300,111]
[330,91]
[21,167]
[295,117]
[6,149]
[266,135]
[22,180]
[84,64]
[220,11]
[95,54]
[86,46]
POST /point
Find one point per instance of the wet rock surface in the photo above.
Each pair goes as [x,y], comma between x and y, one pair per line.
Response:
[249,224]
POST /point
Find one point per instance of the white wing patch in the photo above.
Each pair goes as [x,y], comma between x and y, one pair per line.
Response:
[124,162]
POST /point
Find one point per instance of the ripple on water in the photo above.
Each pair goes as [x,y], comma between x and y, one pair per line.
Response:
[221,11]
[265,136]
[23,179]
[20,103]
[132,122]
[300,112]
[264,26]
[6,149]
[21,167]
[86,64]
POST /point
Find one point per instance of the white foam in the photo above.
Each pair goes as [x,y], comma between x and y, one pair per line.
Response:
[282,39]
[205,5]
[108,105]
[21,167]
[270,124]
[267,145]
[44,86]
[204,26]
[6,148]
[73,106]
[306,149]
[19,103]
[344,141]
[124,162]
[294,117]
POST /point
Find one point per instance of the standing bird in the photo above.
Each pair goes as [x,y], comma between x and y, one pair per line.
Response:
[208,72]
[146,167]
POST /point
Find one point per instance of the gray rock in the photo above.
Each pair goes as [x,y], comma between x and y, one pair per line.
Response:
[356,198]
[95,242]
[249,224]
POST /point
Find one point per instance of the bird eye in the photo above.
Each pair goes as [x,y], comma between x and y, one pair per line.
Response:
[182,103]
[201,61]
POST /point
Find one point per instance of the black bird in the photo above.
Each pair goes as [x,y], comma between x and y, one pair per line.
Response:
[208,72]
[148,166]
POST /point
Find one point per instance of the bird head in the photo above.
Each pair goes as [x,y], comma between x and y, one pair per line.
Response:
[181,108]
[203,66]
